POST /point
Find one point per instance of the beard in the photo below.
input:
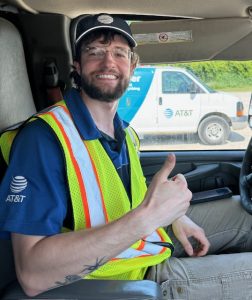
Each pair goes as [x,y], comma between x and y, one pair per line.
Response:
[104,94]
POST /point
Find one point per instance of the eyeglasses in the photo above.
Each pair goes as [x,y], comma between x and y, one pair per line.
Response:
[98,53]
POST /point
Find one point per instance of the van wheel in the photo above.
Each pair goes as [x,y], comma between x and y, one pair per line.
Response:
[214,130]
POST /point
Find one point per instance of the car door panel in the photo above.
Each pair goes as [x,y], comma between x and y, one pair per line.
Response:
[204,170]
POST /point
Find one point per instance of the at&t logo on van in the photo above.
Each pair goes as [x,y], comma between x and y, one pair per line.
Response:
[168,113]
[18,184]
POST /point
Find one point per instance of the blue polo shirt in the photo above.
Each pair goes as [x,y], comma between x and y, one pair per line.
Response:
[34,196]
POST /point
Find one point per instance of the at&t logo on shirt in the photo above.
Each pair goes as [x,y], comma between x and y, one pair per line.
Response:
[18,184]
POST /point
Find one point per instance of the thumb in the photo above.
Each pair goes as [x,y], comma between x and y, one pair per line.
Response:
[167,167]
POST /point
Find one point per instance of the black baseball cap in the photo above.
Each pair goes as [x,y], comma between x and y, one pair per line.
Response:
[91,23]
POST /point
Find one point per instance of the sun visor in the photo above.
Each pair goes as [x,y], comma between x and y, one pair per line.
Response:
[192,40]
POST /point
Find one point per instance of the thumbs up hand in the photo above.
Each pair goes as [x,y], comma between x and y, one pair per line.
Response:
[166,200]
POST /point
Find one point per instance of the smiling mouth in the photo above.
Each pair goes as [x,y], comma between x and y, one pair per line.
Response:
[107,76]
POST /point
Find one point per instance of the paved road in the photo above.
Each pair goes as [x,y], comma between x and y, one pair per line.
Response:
[237,140]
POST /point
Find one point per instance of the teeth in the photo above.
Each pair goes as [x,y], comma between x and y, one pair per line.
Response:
[107,76]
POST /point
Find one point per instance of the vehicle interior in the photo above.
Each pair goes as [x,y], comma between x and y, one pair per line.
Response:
[36,57]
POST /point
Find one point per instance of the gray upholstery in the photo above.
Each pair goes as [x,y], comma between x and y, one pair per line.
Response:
[16,103]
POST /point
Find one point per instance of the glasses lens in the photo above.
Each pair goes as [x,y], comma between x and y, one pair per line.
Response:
[121,53]
[95,51]
[100,52]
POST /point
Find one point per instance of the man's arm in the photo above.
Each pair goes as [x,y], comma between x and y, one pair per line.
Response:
[43,263]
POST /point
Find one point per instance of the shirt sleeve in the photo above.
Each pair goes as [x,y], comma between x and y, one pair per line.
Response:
[34,193]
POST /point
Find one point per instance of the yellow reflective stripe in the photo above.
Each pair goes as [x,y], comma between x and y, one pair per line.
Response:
[148,249]
[94,210]
[73,180]
[86,174]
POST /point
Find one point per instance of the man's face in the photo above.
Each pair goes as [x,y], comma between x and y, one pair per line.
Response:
[105,69]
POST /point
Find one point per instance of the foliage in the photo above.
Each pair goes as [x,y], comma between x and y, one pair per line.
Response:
[222,74]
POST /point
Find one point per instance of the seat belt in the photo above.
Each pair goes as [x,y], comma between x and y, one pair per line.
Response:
[53,85]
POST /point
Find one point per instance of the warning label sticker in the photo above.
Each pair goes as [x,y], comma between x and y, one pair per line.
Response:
[164,37]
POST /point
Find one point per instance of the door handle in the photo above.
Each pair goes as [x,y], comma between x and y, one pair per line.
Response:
[160,101]
[202,171]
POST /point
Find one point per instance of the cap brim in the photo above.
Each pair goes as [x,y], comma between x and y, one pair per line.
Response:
[128,37]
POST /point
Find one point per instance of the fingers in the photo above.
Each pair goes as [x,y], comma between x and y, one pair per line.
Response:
[179,177]
[200,250]
[191,236]
[203,246]
[203,243]
[186,244]
[167,200]
[167,167]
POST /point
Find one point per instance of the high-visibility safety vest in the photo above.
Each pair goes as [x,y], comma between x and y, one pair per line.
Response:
[98,195]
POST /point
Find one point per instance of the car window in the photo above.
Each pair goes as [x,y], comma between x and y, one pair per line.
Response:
[188,106]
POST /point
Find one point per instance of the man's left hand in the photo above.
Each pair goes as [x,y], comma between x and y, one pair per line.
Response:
[185,228]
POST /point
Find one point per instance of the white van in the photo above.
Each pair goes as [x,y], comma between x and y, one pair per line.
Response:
[169,100]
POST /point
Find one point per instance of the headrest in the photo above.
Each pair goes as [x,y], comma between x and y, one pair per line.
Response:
[16,102]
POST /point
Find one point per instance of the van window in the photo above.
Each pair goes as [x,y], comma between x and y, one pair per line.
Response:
[178,83]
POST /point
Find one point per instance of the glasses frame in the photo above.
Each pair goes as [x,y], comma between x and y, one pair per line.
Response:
[104,50]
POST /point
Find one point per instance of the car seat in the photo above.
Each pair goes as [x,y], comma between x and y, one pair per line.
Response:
[16,104]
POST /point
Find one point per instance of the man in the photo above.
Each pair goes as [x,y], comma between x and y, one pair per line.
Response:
[83,208]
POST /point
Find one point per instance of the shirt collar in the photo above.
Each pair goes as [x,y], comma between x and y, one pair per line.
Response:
[83,119]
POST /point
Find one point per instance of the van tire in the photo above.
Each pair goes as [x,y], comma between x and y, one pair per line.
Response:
[213,130]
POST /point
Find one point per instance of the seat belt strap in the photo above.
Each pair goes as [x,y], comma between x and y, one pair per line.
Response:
[52,82]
